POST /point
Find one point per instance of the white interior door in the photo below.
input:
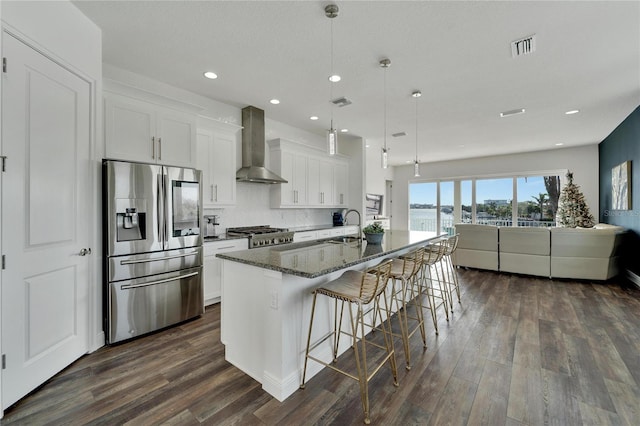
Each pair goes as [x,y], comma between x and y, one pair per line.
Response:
[45,218]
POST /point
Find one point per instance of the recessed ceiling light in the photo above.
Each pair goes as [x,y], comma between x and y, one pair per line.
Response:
[367,146]
[210,74]
[559,144]
[344,130]
[335,78]
[313,117]
[512,112]
[274,101]
[408,161]
[573,111]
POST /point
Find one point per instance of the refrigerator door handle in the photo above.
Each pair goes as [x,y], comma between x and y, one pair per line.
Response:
[167,217]
[157,259]
[166,280]
[161,211]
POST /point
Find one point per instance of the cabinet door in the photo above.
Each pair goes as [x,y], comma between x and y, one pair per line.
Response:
[175,133]
[293,169]
[129,129]
[300,166]
[340,184]
[326,183]
[204,142]
[314,193]
[223,169]
[212,279]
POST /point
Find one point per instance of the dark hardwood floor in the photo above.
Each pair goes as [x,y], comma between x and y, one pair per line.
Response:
[518,351]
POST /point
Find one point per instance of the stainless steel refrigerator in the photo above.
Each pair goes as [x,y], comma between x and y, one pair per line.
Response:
[152,247]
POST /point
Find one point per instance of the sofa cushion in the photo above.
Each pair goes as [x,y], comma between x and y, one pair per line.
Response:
[477,237]
[584,243]
[525,240]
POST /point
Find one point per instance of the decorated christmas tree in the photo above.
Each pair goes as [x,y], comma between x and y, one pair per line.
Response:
[572,209]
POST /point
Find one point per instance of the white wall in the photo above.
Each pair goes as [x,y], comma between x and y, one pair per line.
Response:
[582,161]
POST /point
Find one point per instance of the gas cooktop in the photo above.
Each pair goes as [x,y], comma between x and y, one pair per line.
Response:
[262,235]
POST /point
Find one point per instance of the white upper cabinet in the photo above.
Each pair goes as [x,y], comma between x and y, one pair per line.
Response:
[292,167]
[216,157]
[314,179]
[137,130]
[320,177]
[340,184]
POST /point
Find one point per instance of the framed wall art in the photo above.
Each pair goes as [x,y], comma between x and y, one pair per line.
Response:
[621,186]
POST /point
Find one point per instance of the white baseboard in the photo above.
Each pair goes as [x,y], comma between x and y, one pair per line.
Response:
[634,278]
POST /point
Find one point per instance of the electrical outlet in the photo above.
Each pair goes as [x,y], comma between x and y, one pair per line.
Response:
[274,300]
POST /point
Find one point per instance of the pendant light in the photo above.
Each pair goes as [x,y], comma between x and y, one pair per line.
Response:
[331,11]
[416,165]
[385,63]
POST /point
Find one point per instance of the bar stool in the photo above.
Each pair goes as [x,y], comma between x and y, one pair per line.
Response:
[432,286]
[406,269]
[361,290]
[451,276]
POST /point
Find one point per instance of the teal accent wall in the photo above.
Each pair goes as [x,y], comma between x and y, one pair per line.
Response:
[623,144]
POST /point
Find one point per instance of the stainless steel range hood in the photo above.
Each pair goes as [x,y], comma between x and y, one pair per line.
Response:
[253,149]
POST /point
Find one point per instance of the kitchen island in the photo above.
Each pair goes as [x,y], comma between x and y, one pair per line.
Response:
[267,295]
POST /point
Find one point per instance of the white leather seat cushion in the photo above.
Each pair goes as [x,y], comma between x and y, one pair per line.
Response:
[481,259]
[477,237]
[525,241]
[583,243]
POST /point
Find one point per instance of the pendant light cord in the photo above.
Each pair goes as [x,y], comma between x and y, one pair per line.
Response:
[385,108]
[330,82]
[417,128]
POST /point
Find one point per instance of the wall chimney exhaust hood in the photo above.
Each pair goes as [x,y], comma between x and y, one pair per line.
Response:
[253,149]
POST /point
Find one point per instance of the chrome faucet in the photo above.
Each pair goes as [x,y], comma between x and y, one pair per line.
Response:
[359,221]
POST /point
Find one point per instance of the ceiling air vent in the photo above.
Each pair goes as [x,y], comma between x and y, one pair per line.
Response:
[524,46]
[397,135]
[341,102]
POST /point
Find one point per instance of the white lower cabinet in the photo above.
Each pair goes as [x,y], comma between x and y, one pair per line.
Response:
[213,266]
[305,236]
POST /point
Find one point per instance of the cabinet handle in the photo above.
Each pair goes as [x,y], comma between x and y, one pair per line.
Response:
[216,186]
[159,148]
[211,192]
[153,147]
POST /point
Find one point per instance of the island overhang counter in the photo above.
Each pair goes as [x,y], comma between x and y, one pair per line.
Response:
[267,295]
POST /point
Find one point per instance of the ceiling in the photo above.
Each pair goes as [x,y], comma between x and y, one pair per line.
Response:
[457,53]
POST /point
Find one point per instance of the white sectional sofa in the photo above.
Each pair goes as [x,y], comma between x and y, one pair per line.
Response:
[552,252]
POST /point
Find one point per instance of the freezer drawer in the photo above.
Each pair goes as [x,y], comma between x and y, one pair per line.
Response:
[146,264]
[137,307]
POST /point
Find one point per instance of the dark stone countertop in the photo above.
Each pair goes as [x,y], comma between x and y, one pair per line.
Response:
[316,258]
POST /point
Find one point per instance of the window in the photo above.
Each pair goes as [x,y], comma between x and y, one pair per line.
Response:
[423,203]
[466,199]
[538,200]
[493,201]
[446,207]
[527,200]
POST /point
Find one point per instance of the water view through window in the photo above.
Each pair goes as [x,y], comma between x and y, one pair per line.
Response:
[532,200]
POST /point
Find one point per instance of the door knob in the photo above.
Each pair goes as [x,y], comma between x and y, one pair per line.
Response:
[85,251]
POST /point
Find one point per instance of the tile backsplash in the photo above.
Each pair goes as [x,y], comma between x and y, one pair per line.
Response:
[253,208]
